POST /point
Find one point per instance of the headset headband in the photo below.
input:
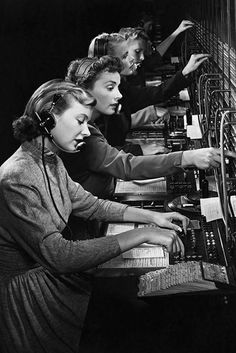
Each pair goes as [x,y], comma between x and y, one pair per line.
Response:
[84,66]
[100,46]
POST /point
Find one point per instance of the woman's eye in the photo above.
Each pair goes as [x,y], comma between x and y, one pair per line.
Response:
[110,88]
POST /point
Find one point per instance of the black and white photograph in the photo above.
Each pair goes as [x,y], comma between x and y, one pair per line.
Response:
[118,176]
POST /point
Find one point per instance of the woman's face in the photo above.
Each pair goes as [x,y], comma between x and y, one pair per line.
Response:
[136,50]
[105,91]
[71,126]
[121,51]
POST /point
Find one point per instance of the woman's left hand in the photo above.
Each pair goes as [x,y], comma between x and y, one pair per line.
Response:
[164,220]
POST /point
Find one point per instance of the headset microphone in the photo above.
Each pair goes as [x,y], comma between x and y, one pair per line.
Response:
[77,148]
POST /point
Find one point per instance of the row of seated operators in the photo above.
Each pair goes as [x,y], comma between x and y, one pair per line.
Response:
[73,148]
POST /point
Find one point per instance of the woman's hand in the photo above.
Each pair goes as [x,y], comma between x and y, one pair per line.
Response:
[165,219]
[194,62]
[184,25]
[204,158]
[162,233]
[165,237]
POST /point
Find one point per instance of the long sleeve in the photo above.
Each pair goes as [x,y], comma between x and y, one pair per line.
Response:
[136,98]
[143,116]
[29,220]
[99,157]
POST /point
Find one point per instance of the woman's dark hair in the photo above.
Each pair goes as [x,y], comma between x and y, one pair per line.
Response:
[84,72]
[27,127]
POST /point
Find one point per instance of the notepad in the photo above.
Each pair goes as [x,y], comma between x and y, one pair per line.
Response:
[144,250]
[123,187]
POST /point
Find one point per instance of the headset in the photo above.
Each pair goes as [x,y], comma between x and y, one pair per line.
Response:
[46,119]
[47,122]
[100,47]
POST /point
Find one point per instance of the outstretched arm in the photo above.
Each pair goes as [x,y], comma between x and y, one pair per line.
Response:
[166,43]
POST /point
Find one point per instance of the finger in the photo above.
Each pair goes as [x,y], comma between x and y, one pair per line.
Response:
[177,245]
[188,26]
[180,246]
[188,22]
[185,223]
[172,242]
[215,158]
[230,154]
[203,55]
[214,164]
[183,219]
[200,61]
[173,226]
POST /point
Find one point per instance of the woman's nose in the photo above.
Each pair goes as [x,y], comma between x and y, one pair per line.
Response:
[142,56]
[86,131]
[118,95]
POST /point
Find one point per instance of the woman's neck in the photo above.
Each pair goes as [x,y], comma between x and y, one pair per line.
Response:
[95,115]
[47,143]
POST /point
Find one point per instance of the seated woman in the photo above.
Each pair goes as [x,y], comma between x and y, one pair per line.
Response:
[98,163]
[44,279]
[145,56]
[136,98]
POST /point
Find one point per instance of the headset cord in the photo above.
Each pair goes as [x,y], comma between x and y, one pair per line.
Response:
[50,190]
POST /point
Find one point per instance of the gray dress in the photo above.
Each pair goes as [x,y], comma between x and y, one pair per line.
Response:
[44,278]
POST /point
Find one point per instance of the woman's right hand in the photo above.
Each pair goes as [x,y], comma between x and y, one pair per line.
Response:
[165,237]
[194,62]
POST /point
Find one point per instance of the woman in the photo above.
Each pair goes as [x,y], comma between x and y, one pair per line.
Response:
[44,281]
[137,98]
[140,49]
[98,161]
[103,80]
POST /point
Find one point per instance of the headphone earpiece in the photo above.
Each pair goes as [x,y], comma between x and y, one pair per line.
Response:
[46,122]
[100,47]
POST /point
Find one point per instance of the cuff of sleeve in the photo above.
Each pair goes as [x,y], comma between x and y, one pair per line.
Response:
[178,159]
[187,79]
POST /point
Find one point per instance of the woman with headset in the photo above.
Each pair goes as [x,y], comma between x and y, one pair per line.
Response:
[44,278]
[146,55]
[99,163]
[136,98]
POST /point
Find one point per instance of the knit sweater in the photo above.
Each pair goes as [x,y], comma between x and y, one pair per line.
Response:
[44,286]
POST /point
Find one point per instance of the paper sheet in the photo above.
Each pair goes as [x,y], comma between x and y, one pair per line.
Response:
[194,131]
[210,207]
[183,95]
